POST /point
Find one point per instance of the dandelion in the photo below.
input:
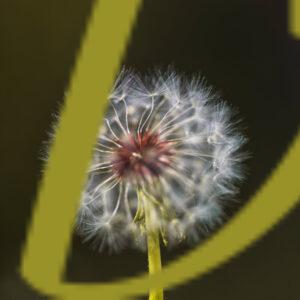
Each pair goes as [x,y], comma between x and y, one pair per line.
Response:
[164,166]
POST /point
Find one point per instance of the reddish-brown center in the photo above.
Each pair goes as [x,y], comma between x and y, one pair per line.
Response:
[142,155]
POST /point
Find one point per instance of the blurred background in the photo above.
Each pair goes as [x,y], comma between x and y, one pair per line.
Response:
[243,48]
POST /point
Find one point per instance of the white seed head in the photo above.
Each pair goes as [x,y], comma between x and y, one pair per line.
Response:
[167,146]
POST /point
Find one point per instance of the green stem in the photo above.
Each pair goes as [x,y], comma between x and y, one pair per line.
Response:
[154,258]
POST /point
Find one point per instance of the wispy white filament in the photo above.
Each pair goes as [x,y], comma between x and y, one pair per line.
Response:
[189,175]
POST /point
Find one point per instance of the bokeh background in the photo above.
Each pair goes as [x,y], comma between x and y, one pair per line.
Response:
[243,48]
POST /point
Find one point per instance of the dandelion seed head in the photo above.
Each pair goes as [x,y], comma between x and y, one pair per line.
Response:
[168,144]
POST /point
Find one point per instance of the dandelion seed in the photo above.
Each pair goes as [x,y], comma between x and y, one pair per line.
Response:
[165,164]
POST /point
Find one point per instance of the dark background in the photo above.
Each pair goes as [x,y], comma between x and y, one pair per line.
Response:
[241,46]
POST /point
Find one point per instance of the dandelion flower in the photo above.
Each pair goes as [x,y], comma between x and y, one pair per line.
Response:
[165,163]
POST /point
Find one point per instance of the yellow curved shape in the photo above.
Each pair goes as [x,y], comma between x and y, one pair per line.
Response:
[294,18]
[50,231]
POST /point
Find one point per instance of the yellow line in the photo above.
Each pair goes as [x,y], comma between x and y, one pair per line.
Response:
[272,202]
[294,18]
[97,63]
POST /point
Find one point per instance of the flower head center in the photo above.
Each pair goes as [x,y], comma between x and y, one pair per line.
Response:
[142,155]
